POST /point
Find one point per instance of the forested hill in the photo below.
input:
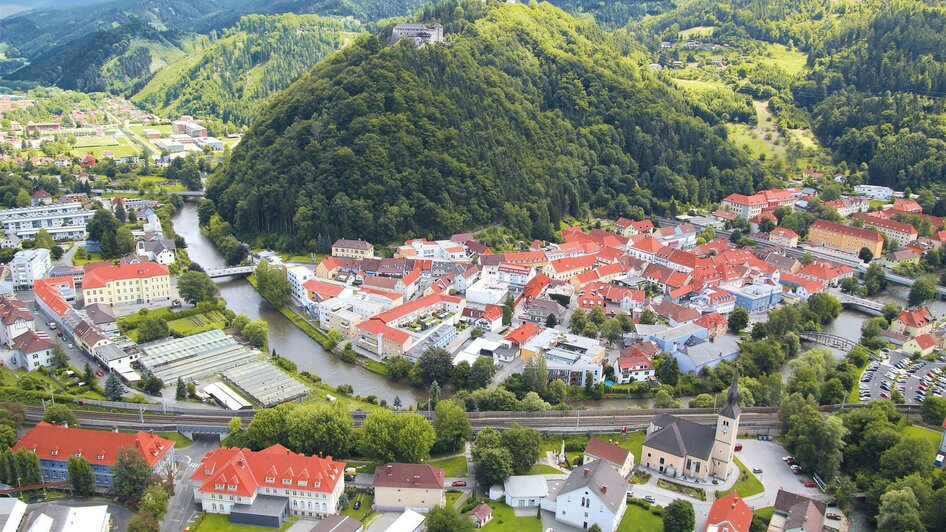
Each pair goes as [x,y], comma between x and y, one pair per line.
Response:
[526,117]
[233,77]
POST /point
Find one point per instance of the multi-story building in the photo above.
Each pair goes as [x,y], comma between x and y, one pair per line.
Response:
[393,332]
[297,276]
[845,238]
[757,297]
[419,33]
[569,358]
[127,283]
[354,249]
[15,319]
[63,221]
[266,487]
[764,201]
[54,445]
[31,350]
[593,494]
[418,487]
[29,265]
[899,232]
[782,236]
[874,192]
[913,322]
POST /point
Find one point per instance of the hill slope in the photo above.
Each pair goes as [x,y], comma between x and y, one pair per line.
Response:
[528,116]
[233,78]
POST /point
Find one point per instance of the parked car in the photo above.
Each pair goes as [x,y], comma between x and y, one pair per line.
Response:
[757,470]
[787,458]
[71,346]
[650,499]
[738,446]
[810,484]
[100,373]
[458,483]
[357,504]
[834,517]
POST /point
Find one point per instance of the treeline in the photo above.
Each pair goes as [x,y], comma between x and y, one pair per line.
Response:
[613,14]
[380,143]
[234,77]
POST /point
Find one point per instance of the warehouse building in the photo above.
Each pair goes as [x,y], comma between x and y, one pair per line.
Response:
[196,356]
[265,384]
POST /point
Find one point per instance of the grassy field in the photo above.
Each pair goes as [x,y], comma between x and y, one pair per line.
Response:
[12,377]
[637,519]
[120,146]
[697,31]
[452,467]
[699,85]
[221,523]
[93,142]
[505,519]
[806,138]
[792,61]
[452,497]
[542,469]
[854,396]
[765,513]
[93,257]
[363,511]
[179,439]
[763,139]
[747,485]
[933,437]
[199,323]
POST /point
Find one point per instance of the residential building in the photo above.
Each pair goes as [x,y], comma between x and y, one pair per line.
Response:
[31,350]
[525,491]
[626,227]
[757,297]
[634,368]
[699,353]
[522,334]
[913,322]
[515,275]
[354,249]
[420,34]
[482,515]
[825,273]
[569,358]
[160,250]
[63,221]
[439,250]
[568,267]
[801,287]
[899,204]
[796,513]
[29,265]
[713,301]
[297,277]
[781,236]
[676,446]
[903,256]
[923,344]
[60,517]
[764,201]
[611,298]
[539,310]
[716,325]
[899,232]
[417,487]
[874,192]
[731,514]
[263,488]
[387,333]
[681,236]
[125,284]
[487,291]
[15,319]
[845,238]
[618,457]
[593,494]
[54,444]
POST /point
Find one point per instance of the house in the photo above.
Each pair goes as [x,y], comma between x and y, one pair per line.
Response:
[41,197]
[782,236]
[802,288]
[54,444]
[62,517]
[419,33]
[757,297]
[907,205]
[699,353]
[593,494]
[31,350]
[847,206]
[899,232]
[675,446]
[525,491]
[126,283]
[904,256]
[626,227]
[297,276]
[618,457]
[845,238]
[923,344]
[731,514]
[354,249]
[676,314]
[825,273]
[417,487]
[482,515]
[913,322]
[756,221]
[679,236]
[539,310]
[874,192]
[794,512]
[253,487]
[160,250]
[522,334]
[568,267]
[764,201]
[715,324]
[15,319]
[634,368]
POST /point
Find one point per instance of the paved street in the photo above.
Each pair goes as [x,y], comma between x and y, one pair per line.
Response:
[775,475]
[181,508]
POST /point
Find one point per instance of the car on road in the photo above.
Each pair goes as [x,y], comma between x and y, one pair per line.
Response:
[71,346]
[757,470]
[458,483]
[833,517]
[809,484]
[738,447]
[59,334]
[650,499]
[787,458]
[100,373]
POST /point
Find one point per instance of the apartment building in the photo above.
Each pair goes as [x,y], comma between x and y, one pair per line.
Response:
[355,249]
[29,265]
[845,238]
[63,221]
[899,232]
[127,283]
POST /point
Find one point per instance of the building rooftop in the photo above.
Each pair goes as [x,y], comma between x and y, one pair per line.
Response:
[395,475]
[54,442]
[599,478]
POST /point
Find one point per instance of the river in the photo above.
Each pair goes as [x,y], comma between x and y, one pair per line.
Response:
[288,341]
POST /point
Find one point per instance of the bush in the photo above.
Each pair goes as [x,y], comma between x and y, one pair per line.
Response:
[286,364]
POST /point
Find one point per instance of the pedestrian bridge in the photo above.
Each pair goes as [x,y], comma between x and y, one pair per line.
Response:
[829,340]
[216,273]
[874,308]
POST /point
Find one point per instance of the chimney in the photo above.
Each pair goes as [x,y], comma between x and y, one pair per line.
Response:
[389,470]
[604,489]
[65,424]
[115,429]
[240,463]
[586,472]
[734,504]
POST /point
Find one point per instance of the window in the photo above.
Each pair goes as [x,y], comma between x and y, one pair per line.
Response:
[270,480]
[231,487]
[218,486]
[287,481]
[55,452]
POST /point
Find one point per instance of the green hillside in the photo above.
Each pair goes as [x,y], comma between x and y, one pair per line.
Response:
[528,116]
[233,78]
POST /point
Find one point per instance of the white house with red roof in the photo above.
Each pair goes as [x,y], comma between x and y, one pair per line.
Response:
[618,457]
[729,514]
[54,444]
[418,487]
[764,201]
[15,319]
[826,273]
[644,248]
[566,268]
[782,236]
[394,331]
[32,350]
[126,283]
[634,368]
[913,322]
[626,227]
[273,483]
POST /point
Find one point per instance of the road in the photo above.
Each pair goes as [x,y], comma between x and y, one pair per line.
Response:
[181,507]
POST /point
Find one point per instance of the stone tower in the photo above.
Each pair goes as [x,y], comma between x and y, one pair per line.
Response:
[727,429]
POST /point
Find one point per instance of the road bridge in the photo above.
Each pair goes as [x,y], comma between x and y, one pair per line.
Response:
[230,271]
[868,306]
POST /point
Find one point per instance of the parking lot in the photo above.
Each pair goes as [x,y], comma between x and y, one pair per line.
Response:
[914,380]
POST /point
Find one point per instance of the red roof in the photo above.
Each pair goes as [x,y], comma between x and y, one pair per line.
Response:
[377,327]
[417,304]
[920,317]
[47,291]
[636,361]
[422,476]
[411,277]
[526,257]
[100,276]
[733,510]
[883,223]
[569,264]
[323,289]
[812,287]
[482,511]
[12,310]
[784,231]
[386,283]
[825,271]
[54,442]
[522,334]
[907,205]
[759,217]
[534,287]
[711,321]
[847,230]
[492,313]
[274,466]
[648,244]
[608,451]
[925,341]
[31,342]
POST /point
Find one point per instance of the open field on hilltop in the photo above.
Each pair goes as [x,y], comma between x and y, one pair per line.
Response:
[699,85]
[697,31]
[792,61]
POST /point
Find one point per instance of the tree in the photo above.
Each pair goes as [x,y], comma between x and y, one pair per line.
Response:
[205,210]
[648,317]
[452,427]
[664,400]
[151,384]
[60,414]
[909,455]
[738,320]
[7,437]
[130,474]
[525,446]
[578,321]
[60,357]
[551,321]
[390,437]
[535,374]
[825,307]
[923,290]
[257,333]
[669,371]
[443,519]
[612,331]
[833,392]
[120,213]
[933,410]
[235,425]
[899,512]
[43,240]
[436,365]
[154,501]
[816,441]
[114,390]
[493,465]
[679,516]
[267,428]
[766,225]
[81,477]
[397,402]
[181,392]
[704,400]
[143,522]
[195,286]
[481,373]
[272,284]
[596,316]
[866,255]
[239,322]
[151,329]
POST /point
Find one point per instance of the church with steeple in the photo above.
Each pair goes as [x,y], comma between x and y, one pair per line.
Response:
[677,447]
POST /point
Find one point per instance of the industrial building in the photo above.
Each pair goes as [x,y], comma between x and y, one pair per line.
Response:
[265,384]
[196,356]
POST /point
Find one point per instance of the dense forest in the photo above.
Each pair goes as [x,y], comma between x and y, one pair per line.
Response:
[527,117]
[233,78]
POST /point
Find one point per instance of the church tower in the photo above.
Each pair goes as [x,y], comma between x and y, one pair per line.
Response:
[727,429]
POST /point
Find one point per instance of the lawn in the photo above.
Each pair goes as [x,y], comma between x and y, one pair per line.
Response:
[362,512]
[854,396]
[179,439]
[93,142]
[698,85]
[637,519]
[452,467]
[933,437]
[747,485]
[634,443]
[792,61]
[221,523]
[505,519]
[542,469]
[697,31]
[92,257]
[452,497]
[765,513]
